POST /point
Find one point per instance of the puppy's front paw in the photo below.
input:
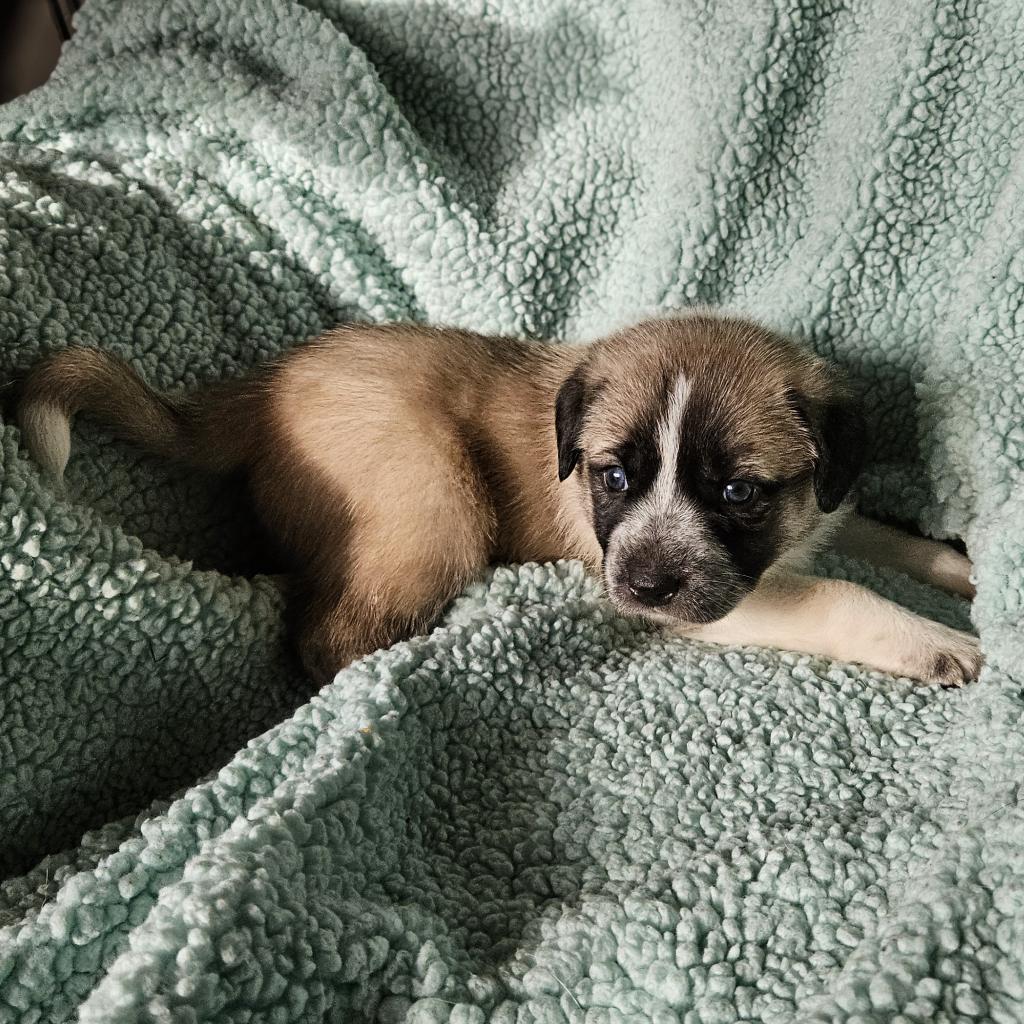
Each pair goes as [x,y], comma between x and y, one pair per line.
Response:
[952,571]
[951,658]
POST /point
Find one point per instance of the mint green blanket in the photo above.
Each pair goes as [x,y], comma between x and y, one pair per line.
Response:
[539,812]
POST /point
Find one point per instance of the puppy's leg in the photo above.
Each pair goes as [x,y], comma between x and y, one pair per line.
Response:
[408,553]
[929,561]
[374,605]
[338,623]
[847,622]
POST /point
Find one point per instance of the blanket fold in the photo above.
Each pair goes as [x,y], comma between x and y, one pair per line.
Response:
[539,811]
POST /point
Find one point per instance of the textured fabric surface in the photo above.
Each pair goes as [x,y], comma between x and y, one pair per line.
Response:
[540,811]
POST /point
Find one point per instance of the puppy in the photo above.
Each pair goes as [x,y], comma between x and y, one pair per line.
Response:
[693,463]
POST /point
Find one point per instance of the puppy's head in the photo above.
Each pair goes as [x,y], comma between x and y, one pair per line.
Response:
[705,449]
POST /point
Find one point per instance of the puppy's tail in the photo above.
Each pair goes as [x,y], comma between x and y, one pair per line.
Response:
[213,430]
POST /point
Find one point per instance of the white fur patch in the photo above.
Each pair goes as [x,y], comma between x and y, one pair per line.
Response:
[47,434]
[664,493]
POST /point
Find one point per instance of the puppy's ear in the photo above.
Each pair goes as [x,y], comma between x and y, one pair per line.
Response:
[570,408]
[839,432]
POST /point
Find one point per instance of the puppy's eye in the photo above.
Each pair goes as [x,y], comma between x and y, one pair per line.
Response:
[615,478]
[739,492]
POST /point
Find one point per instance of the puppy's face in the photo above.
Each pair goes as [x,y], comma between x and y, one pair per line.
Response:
[706,449]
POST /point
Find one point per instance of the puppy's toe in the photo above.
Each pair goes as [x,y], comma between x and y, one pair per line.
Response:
[956,660]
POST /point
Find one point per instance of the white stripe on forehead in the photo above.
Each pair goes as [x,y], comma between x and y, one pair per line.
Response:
[663,494]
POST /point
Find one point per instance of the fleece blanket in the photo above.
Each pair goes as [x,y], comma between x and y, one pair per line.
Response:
[540,811]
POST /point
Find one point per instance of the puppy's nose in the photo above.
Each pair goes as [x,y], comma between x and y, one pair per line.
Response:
[652,587]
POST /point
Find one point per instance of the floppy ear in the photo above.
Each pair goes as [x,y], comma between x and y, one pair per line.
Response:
[570,407]
[839,432]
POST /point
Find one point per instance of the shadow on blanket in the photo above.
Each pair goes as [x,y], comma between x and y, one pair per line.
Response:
[479,808]
[466,128]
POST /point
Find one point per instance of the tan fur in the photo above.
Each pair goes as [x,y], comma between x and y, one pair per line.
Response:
[926,560]
[747,371]
[395,462]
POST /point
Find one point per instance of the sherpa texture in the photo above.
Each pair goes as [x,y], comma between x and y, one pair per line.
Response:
[539,812]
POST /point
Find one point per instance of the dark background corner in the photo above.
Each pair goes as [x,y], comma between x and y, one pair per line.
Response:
[31,33]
